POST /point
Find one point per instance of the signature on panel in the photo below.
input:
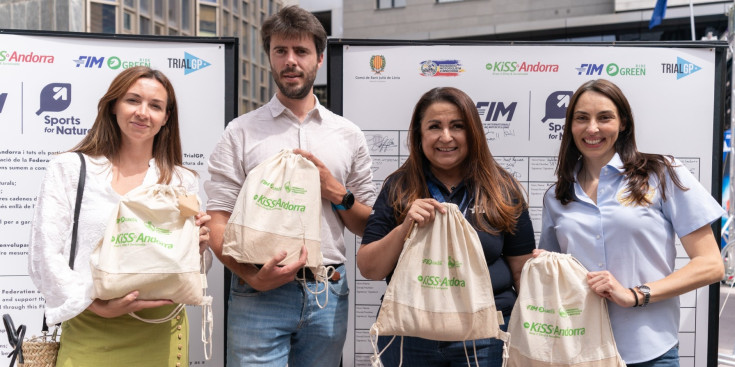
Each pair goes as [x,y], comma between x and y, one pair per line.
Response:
[380,143]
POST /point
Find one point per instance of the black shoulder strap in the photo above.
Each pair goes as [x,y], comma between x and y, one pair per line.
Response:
[77,208]
[75,226]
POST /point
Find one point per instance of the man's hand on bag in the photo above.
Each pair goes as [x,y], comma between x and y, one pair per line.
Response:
[124,305]
[332,190]
[272,276]
[604,284]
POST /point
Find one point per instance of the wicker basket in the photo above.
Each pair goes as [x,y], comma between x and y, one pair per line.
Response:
[40,351]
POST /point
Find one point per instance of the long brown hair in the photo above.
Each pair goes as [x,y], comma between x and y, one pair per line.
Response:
[495,190]
[637,166]
[105,137]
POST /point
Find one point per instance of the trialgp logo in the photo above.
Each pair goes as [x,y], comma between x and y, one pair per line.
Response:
[430,281]
[551,331]
[277,204]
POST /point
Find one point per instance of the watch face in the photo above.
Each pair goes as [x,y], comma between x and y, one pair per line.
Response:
[348,200]
[644,288]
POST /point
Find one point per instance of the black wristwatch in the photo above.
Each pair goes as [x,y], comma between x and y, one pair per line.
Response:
[347,202]
[646,294]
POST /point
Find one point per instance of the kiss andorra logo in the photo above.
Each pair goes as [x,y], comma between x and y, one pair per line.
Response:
[189,63]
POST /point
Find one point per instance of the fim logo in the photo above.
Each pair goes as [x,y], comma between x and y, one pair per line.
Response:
[189,63]
[682,68]
[55,97]
[556,109]
[590,69]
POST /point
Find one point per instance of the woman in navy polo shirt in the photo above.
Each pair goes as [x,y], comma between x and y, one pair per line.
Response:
[449,161]
[617,211]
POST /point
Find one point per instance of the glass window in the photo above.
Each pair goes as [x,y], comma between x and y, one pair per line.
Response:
[244,9]
[145,25]
[130,3]
[225,23]
[208,1]
[447,1]
[173,11]
[158,8]
[173,32]
[253,42]
[186,14]
[128,21]
[235,6]
[159,29]
[226,3]
[207,20]
[253,72]
[102,18]
[387,4]
[245,86]
[144,6]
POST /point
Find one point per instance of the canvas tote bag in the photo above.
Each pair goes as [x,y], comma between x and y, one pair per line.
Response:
[279,208]
[558,320]
[440,288]
[151,244]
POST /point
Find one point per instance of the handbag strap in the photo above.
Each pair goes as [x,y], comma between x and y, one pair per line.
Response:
[75,225]
[77,209]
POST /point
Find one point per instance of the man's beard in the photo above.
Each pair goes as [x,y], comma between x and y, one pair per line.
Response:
[295,92]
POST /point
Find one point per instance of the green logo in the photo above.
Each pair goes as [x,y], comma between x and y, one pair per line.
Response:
[612,69]
[436,282]
[569,312]
[113,62]
[453,263]
[277,204]
[551,331]
[153,228]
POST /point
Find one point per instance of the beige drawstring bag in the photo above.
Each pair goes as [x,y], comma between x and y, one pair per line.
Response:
[440,288]
[151,244]
[279,208]
[558,320]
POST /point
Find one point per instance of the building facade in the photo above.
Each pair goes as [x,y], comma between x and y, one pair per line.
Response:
[208,18]
[530,20]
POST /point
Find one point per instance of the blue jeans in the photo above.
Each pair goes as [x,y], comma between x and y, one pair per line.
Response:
[285,325]
[419,352]
[668,359]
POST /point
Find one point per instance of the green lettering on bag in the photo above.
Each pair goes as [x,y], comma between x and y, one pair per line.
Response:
[435,282]
[126,219]
[277,204]
[551,331]
[153,228]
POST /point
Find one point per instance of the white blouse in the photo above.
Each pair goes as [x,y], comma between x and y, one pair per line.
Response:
[67,292]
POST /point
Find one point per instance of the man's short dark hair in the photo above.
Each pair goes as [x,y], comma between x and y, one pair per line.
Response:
[294,22]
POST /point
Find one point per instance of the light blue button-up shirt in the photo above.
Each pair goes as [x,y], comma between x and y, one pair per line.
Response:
[635,243]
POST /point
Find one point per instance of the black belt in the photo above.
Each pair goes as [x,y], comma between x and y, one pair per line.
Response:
[309,275]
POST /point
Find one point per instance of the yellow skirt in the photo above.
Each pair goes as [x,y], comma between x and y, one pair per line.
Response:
[89,340]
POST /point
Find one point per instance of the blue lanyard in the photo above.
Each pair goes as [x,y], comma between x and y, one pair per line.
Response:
[437,194]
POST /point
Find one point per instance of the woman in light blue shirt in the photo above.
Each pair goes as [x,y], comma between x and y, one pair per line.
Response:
[618,210]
